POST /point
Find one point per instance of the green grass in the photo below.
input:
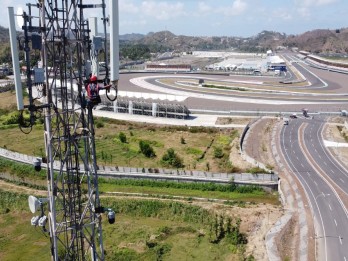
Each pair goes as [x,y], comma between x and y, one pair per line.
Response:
[26,175]
[189,190]
[112,152]
[144,230]
[232,196]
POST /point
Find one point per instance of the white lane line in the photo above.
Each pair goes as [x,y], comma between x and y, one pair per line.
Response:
[340,239]
[325,163]
[308,174]
[342,180]
[319,156]
[302,165]
[332,171]
[345,259]
[335,222]
[315,183]
[297,158]
[330,207]
[316,150]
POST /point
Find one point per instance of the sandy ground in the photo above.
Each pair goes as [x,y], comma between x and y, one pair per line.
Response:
[332,133]
[258,144]
[257,220]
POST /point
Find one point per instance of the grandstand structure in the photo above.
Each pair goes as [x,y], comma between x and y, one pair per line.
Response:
[147,107]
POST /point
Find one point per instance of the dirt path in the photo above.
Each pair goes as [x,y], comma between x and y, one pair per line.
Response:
[258,145]
[20,189]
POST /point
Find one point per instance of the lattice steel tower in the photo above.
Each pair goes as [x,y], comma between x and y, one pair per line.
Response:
[73,208]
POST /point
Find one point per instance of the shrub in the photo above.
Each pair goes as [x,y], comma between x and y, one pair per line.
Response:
[122,137]
[146,149]
[99,124]
[256,170]
[172,159]
[218,153]
[182,140]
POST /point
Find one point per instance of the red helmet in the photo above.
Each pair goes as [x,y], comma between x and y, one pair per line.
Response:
[93,78]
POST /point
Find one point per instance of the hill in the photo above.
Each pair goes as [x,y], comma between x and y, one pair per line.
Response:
[316,41]
[4,34]
[321,41]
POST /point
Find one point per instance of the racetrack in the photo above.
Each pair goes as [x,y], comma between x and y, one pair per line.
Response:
[323,91]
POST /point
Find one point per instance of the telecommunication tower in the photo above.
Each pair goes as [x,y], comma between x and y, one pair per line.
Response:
[59,31]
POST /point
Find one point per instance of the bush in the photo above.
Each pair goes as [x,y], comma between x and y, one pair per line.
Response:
[122,137]
[182,140]
[146,149]
[256,170]
[99,124]
[218,153]
[172,159]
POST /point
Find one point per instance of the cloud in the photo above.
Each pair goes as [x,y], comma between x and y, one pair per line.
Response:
[281,13]
[162,10]
[128,7]
[203,7]
[238,7]
[303,7]
[313,3]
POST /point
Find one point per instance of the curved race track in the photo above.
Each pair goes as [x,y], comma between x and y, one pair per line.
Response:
[323,91]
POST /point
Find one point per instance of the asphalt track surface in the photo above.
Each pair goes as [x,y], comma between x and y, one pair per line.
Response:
[325,182]
[331,89]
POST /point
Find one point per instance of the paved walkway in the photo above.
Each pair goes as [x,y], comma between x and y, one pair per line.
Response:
[194,120]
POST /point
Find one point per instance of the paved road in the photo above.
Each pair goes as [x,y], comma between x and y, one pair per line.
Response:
[302,145]
[329,82]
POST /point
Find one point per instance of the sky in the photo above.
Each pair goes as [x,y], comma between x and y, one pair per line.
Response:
[242,18]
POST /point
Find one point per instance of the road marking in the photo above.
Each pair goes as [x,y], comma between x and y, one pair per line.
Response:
[325,163]
[315,183]
[332,171]
[308,174]
[302,165]
[335,222]
[319,156]
[340,239]
[330,207]
[316,150]
[297,158]
[342,180]
[345,259]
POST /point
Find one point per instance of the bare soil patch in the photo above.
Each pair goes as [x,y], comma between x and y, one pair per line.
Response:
[237,161]
[258,144]
[332,133]
[257,220]
[233,120]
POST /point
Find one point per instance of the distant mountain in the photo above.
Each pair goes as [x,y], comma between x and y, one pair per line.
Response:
[316,41]
[321,41]
[4,34]
[131,37]
[169,41]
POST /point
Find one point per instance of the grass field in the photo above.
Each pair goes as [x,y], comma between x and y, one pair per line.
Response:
[145,230]
[194,145]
